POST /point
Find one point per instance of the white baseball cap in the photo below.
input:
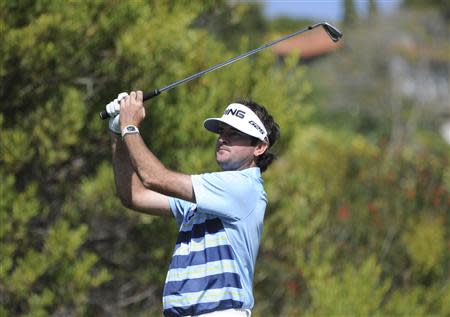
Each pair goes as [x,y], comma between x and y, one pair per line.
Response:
[241,118]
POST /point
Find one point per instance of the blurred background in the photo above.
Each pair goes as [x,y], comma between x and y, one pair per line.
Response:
[359,199]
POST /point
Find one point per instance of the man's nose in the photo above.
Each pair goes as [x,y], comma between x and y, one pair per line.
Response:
[223,139]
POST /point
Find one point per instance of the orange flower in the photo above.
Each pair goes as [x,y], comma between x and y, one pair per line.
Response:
[372,207]
[343,212]
[293,287]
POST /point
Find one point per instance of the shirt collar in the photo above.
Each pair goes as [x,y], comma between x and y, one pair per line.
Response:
[254,172]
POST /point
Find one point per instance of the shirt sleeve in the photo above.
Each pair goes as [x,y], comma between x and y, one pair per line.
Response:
[179,208]
[229,195]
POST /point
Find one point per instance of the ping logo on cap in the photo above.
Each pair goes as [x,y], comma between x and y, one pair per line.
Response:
[235,112]
[257,127]
[233,116]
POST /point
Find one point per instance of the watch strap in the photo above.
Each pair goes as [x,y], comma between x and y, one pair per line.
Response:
[129,129]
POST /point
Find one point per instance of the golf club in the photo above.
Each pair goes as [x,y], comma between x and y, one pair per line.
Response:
[332,31]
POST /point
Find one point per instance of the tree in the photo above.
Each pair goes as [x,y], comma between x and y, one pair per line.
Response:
[442,6]
[343,215]
[350,15]
[353,202]
[360,234]
[373,11]
[68,247]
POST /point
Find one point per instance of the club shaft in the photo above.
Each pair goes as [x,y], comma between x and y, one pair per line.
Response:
[234,59]
[333,32]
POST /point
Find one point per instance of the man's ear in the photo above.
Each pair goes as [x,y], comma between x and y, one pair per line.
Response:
[260,148]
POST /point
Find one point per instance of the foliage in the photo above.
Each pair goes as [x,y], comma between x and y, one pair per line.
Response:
[230,23]
[442,6]
[68,247]
[361,234]
[350,15]
[285,25]
[345,207]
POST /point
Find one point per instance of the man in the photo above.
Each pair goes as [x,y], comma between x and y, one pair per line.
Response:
[220,214]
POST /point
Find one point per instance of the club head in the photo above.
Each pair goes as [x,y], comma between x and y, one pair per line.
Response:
[332,31]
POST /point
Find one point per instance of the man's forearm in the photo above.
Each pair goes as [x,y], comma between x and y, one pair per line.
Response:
[150,170]
[153,173]
[145,163]
[125,178]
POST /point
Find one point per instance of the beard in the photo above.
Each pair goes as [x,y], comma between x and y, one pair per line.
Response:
[227,163]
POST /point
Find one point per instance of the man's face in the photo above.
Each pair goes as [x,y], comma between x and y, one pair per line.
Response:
[234,149]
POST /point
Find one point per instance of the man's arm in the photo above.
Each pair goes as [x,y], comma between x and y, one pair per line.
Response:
[129,188]
[152,173]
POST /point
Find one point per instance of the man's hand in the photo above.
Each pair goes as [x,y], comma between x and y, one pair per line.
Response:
[114,125]
[113,108]
[132,110]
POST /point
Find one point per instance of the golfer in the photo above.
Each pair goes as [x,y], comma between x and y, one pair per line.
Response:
[220,215]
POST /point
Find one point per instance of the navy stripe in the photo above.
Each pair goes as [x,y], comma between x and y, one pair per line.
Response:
[203,283]
[210,226]
[202,308]
[221,252]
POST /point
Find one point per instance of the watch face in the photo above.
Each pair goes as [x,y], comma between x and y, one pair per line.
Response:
[129,129]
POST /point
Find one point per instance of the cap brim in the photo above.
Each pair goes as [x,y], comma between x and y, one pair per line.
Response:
[241,118]
[213,124]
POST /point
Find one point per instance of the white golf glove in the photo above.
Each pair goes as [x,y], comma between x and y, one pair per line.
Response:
[114,125]
[113,108]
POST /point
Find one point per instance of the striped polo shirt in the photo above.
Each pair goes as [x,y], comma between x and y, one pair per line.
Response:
[214,258]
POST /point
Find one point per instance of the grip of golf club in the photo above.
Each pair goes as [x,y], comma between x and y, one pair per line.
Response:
[149,95]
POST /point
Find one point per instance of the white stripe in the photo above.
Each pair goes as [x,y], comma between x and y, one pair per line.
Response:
[202,270]
[212,295]
[234,312]
[200,244]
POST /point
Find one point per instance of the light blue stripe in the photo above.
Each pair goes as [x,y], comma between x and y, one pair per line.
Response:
[200,284]
[223,252]
[203,308]
[197,271]
[209,241]
[207,296]
[210,226]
